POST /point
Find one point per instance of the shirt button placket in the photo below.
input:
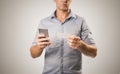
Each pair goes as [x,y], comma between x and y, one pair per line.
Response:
[62,48]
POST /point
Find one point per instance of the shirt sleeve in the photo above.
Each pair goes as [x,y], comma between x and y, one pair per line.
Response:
[86,34]
[37,32]
[34,40]
[41,25]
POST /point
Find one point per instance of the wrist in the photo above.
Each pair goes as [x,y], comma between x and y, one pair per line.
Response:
[39,47]
[82,46]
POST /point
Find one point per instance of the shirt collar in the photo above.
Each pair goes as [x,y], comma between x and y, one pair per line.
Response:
[71,15]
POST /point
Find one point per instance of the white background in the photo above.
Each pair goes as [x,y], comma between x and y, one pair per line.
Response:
[18,24]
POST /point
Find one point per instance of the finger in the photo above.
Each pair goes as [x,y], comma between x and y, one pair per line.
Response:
[43,40]
[41,35]
[78,38]
[71,44]
[71,37]
[44,43]
[74,46]
[72,41]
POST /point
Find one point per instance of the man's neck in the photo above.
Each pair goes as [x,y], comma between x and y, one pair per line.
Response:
[62,15]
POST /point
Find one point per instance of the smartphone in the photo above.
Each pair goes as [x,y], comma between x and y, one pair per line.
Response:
[45,31]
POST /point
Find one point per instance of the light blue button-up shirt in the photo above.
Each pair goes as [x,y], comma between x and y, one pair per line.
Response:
[59,57]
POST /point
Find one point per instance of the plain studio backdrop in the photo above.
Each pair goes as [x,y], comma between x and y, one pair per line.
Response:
[18,24]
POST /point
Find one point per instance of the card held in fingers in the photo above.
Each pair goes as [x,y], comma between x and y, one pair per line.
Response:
[44,31]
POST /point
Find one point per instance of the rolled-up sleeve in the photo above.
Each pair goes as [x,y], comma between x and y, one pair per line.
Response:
[86,34]
[34,41]
[37,32]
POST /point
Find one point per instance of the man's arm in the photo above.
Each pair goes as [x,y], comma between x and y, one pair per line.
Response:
[77,44]
[41,42]
[88,50]
[35,51]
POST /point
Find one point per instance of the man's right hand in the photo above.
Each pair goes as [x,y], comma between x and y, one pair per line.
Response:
[42,41]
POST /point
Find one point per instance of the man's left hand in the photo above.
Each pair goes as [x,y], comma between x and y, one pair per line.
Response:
[74,42]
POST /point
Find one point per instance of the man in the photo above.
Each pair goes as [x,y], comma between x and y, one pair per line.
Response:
[69,37]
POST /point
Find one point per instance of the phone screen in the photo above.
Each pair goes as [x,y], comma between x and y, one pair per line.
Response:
[45,31]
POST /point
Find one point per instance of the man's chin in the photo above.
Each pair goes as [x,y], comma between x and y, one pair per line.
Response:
[64,9]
